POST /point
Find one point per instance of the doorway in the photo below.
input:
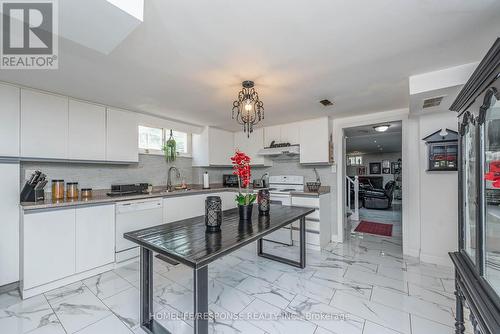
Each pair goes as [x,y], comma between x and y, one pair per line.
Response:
[372,168]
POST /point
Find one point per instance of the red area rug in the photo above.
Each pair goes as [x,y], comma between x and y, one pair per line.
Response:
[374,228]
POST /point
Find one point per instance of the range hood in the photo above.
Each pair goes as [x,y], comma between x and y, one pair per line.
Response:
[285,150]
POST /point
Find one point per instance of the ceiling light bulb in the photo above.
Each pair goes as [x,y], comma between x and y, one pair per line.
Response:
[248,106]
[381,128]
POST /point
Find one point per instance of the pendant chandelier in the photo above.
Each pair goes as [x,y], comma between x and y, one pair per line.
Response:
[248,110]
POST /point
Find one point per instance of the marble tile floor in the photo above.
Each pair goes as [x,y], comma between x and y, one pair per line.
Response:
[364,286]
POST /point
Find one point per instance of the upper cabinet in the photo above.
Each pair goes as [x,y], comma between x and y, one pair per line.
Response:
[315,141]
[87,131]
[44,125]
[284,133]
[9,124]
[122,142]
[213,147]
[251,145]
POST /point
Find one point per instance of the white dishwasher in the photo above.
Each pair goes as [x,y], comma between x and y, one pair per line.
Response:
[131,216]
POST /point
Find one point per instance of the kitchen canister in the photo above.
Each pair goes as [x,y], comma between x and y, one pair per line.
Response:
[213,213]
[86,193]
[72,190]
[57,190]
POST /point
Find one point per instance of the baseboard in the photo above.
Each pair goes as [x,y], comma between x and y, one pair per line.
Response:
[9,287]
[440,260]
[335,238]
[65,281]
[411,252]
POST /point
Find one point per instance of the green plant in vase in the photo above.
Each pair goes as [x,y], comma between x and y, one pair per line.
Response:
[170,149]
[242,169]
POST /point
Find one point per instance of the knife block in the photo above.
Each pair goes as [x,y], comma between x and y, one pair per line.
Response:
[30,194]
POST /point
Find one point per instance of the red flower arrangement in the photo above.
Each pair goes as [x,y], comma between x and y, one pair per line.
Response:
[494,174]
[242,169]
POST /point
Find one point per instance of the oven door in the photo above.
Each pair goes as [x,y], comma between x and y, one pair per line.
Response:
[283,235]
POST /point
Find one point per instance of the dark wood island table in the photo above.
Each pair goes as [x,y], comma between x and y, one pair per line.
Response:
[187,242]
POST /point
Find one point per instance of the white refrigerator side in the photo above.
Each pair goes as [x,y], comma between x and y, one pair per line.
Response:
[9,223]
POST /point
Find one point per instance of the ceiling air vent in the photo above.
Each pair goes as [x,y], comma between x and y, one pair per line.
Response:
[432,102]
[326,102]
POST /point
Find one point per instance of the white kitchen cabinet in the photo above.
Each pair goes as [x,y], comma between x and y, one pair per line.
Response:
[213,147]
[290,133]
[251,145]
[318,223]
[314,141]
[9,225]
[87,131]
[95,236]
[48,246]
[9,124]
[183,207]
[122,136]
[272,133]
[44,125]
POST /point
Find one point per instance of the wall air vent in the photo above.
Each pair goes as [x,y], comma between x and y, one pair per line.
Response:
[326,102]
[432,102]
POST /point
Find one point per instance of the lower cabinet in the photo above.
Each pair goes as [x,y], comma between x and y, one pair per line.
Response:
[65,242]
[95,237]
[48,246]
[183,207]
[318,223]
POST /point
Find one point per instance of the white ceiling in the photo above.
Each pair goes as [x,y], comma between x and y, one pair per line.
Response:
[365,140]
[187,59]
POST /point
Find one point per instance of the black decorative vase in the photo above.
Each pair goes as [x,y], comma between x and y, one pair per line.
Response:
[213,213]
[263,199]
[246,212]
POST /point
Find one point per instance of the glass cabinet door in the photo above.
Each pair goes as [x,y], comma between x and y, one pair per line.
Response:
[491,175]
[469,189]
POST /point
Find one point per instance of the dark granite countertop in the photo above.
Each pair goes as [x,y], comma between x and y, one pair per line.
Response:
[99,196]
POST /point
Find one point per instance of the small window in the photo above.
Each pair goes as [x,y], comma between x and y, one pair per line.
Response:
[150,138]
[355,160]
[181,141]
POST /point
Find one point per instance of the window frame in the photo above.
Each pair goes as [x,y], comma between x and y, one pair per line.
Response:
[165,135]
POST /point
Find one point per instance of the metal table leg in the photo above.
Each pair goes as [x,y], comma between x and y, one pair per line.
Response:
[201,300]
[148,324]
[302,262]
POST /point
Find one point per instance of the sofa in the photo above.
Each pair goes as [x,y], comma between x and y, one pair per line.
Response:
[379,198]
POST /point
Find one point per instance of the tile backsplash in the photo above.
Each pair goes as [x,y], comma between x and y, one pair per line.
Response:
[153,169]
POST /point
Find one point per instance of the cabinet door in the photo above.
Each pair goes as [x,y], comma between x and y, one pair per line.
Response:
[48,246]
[272,133]
[221,146]
[122,136]
[183,207]
[251,145]
[228,199]
[44,125]
[490,173]
[87,131]
[290,133]
[9,124]
[9,226]
[95,237]
[314,145]
[470,189]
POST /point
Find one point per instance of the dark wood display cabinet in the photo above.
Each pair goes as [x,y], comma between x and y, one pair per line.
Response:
[477,262]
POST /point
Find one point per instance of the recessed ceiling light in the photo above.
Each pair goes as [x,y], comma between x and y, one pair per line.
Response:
[374,141]
[381,128]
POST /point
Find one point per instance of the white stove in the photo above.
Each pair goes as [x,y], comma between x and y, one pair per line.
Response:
[285,184]
[280,189]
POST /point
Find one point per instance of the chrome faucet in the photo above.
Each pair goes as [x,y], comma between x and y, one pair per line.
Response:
[169,177]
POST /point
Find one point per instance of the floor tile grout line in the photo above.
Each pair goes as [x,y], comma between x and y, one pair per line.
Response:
[50,305]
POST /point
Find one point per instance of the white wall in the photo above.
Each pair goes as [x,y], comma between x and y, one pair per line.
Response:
[438,197]
[430,218]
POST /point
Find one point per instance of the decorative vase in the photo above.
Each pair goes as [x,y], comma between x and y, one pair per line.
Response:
[213,213]
[245,212]
[263,198]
